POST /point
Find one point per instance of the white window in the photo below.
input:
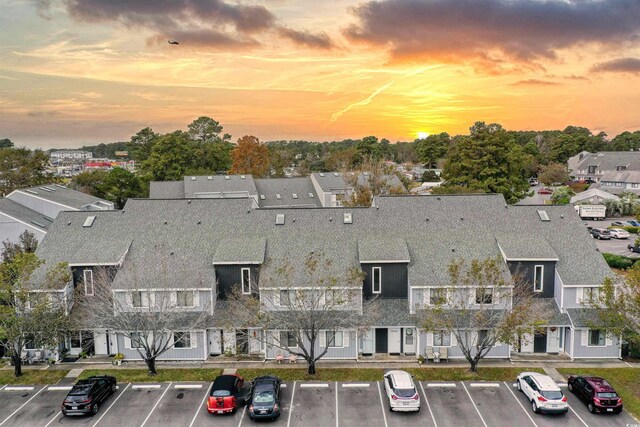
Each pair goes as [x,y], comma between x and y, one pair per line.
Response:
[634,185]
[135,340]
[88,282]
[288,339]
[437,296]
[335,339]
[482,336]
[285,298]
[442,338]
[597,338]
[246,281]
[618,184]
[376,280]
[139,299]
[591,294]
[182,340]
[337,297]
[538,278]
[184,299]
[484,296]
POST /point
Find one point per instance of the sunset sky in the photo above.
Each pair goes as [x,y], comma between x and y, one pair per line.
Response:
[76,72]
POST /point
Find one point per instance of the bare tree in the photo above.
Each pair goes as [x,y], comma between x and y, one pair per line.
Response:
[301,301]
[153,303]
[372,178]
[28,312]
[483,305]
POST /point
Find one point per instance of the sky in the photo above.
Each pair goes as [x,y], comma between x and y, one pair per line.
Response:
[76,72]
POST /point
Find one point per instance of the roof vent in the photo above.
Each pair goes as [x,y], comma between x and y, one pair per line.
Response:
[294,195]
[189,201]
[543,216]
[209,178]
[165,222]
[348,218]
[69,223]
[89,221]
[32,192]
[193,178]
[453,250]
[280,219]
[311,195]
[262,197]
[278,196]
[427,219]
[330,219]
[199,222]
[227,177]
[438,198]
[242,177]
[461,219]
[321,174]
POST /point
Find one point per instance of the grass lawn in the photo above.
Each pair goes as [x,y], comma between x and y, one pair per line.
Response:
[32,377]
[366,374]
[142,375]
[626,381]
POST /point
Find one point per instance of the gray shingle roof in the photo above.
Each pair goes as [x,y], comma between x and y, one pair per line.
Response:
[383,248]
[627,176]
[584,317]
[393,312]
[331,181]
[225,185]
[62,195]
[166,190]
[608,160]
[549,305]
[520,248]
[269,188]
[435,230]
[22,213]
[240,250]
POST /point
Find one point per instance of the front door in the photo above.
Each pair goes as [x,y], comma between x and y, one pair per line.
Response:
[409,341]
[368,340]
[540,343]
[381,340]
[255,341]
[215,341]
[553,339]
[395,340]
[101,342]
[526,343]
[242,341]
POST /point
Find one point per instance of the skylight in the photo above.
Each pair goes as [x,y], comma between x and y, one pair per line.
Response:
[89,221]
[311,195]
[348,218]
[278,196]
[280,219]
[193,178]
[543,216]
[262,197]
[294,195]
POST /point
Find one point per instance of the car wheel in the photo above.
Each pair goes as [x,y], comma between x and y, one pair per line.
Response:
[534,406]
[94,409]
[518,386]
[591,408]
[570,387]
[113,388]
[390,408]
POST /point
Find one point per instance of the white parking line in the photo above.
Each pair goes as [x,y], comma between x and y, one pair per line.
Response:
[485,384]
[18,388]
[474,404]
[336,403]
[145,386]
[110,406]
[384,415]
[429,385]
[53,419]
[356,385]
[579,417]
[520,403]
[156,405]
[2,388]
[23,405]
[314,385]
[291,404]
[206,394]
[187,386]
[428,406]
[242,416]
[59,387]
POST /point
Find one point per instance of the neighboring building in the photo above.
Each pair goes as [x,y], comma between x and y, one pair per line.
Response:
[61,155]
[615,182]
[595,166]
[573,161]
[35,208]
[404,244]
[593,196]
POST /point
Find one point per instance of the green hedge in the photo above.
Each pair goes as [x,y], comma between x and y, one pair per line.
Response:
[618,261]
[630,229]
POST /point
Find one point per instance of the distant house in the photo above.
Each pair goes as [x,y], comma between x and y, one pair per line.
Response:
[70,155]
[594,166]
[593,196]
[617,182]
[34,209]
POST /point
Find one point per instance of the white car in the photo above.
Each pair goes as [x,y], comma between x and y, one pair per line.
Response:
[619,233]
[543,393]
[401,391]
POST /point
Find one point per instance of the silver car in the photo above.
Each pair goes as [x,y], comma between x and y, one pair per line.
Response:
[401,391]
[543,393]
[619,233]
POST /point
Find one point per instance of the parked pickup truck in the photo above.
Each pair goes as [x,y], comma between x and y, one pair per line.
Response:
[591,211]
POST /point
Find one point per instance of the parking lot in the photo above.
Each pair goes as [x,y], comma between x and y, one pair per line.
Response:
[303,404]
[614,246]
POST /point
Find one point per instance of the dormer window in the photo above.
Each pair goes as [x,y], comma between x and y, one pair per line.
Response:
[484,296]
[621,168]
[538,278]
[592,169]
[376,280]
[437,296]
[184,299]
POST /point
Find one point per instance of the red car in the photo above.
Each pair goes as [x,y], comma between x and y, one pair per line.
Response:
[596,392]
[545,190]
[227,394]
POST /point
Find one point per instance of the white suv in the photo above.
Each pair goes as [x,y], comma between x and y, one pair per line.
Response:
[543,393]
[401,391]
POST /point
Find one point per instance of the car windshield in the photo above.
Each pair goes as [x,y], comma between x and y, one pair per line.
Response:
[263,396]
[221,393]
[607,395]
[404,392]
[80,390]
[552,395]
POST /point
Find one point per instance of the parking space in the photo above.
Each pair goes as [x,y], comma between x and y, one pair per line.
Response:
[322,404]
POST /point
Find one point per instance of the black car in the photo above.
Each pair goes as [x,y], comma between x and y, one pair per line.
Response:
[86,395]
[265,398]
[633,248]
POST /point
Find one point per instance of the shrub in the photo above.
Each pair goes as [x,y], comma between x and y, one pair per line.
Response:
[618,261]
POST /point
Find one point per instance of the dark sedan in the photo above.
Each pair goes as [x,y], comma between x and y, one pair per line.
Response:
[265,398]
[86,396]
[596,393]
